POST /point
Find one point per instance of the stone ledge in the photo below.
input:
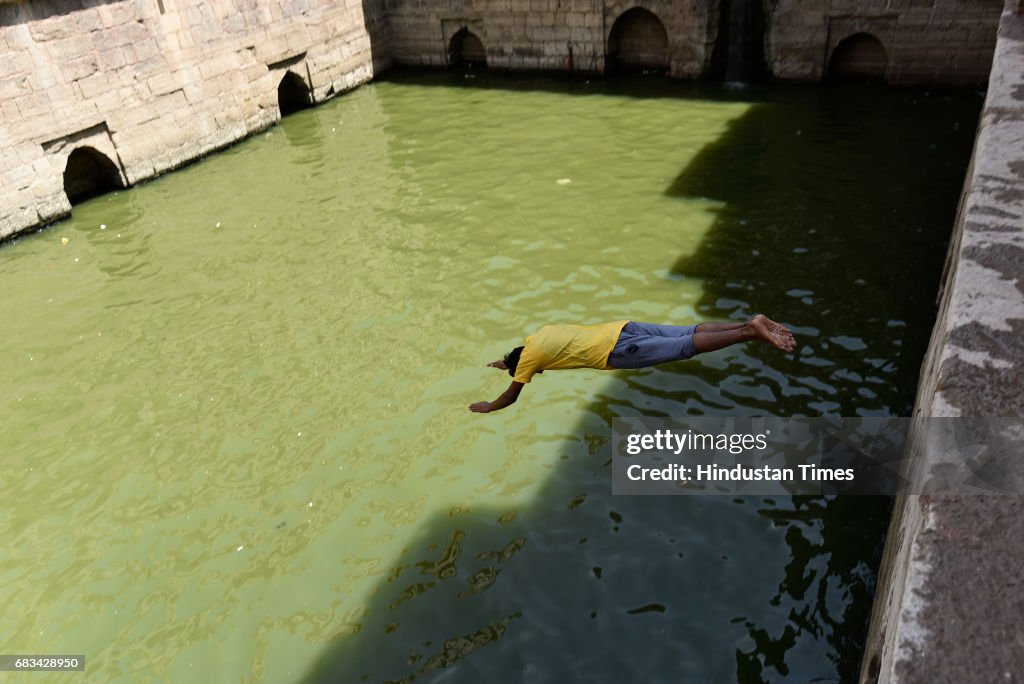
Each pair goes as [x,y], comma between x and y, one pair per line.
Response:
[951,587]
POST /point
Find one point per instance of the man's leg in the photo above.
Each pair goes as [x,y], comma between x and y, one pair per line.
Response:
[637,347]
[759,328]
[709,326]
[658,330]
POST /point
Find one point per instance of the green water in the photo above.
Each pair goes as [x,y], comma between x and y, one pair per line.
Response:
[236,444]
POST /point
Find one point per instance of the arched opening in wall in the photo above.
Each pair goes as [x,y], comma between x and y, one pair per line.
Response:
[466,49]
[89,173]
[860,58]
[293,94]
[638,42]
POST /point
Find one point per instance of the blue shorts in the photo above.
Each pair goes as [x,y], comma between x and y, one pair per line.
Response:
[648,344]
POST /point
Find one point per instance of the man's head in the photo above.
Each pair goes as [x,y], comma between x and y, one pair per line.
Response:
[512,360]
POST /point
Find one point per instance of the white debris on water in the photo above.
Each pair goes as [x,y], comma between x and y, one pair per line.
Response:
[564,181]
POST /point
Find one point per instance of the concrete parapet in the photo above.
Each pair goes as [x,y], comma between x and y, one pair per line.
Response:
[951,593]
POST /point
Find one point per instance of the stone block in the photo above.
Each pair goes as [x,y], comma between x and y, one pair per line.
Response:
[86,20]
[218,65]
[234,23]
[80,68]
[19,177]
[94,85]
[163,82]
[108,102]
[32,104]
[68,49]
[937,56]
[193,91]
[52,28]
[170,22]
[9,109]
[169,103]
[51,204]
[131,33]
[146,49]
[143,69]
[185,39]
[18,37]
[115,14]
[15,86]
[193,16]
[583,35]
[982,34]
[127,118]
[111,59]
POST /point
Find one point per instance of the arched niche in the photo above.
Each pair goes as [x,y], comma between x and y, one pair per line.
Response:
[293,94]
[466,49]
[89,173]
[858,58]
[638,42]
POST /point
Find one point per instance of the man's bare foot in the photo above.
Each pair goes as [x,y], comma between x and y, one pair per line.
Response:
[767,330]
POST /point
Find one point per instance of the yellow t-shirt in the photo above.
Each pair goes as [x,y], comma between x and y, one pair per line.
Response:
[556,347]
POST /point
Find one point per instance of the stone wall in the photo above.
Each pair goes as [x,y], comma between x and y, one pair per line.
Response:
[945,42]
[153,84]
[561,35]
[951,587]
[948,42]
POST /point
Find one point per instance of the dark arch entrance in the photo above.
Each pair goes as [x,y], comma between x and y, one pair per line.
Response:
[466,49]
[293,94]
[859,58]
[638,42]
[89,173]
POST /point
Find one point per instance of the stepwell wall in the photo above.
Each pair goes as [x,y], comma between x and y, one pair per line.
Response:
[153,84]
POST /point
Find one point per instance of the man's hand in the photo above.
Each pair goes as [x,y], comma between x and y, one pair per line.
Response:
[506,399]
[499,364]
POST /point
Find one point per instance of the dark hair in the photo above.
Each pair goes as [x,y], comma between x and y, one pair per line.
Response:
[512,360]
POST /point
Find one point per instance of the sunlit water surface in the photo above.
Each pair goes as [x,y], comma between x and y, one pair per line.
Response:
[236,444]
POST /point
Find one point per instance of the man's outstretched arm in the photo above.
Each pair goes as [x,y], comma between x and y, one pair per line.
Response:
[507,398]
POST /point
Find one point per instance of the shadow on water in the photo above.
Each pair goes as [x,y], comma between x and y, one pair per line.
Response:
[584,586]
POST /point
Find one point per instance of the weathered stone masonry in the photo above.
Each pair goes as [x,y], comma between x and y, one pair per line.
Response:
[948,42]
[559,35]
[925,41]
[153,84]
